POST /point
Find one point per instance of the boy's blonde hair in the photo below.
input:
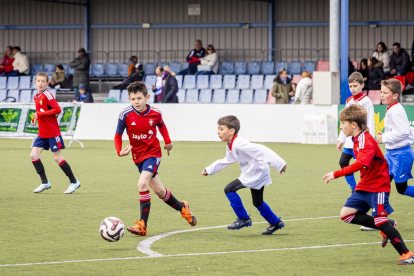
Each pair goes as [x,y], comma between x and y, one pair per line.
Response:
[355,113]
[394,85]
[42,74]
[356,76]
[230,122]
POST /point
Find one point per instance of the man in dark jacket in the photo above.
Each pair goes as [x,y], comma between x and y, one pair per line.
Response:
[193,59]
[81,65]
[166,87]
[400,61]
[138,75]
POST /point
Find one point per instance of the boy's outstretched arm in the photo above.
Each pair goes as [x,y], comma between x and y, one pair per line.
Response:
[164,132]
[356,166]
[219,165]
[264,154]
[118,137]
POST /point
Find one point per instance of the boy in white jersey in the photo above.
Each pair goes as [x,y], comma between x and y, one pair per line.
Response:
[356,84]
[254,161]
[397,138]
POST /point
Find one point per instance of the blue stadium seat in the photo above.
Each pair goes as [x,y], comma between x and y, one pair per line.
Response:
[149,68]
[268,68]
[184,65]
[189,82]
[227,68]
[123,69]
[36,68]
[233,96]
[3,94]
[295,68]
[191,96]
[49,68]
[150,81]
[257,82]
[152,97]
[216,81]
[34,83]
[243,81]
[13,93]
[205,96]
[3,82]
[65,67]
[98,70]
[240,68]
[260,96]
[175,66]
[163,64]
[52,91]
[124,96]
[219,96]
[254,68]
[309,66]
[268,84]
[181,95]
[71,71]
[229,81]
[246,96]
[112,69]
[115,94]
[202,82]
[179,79]
[25,82]
[26,96]
[280,65]
[13,83]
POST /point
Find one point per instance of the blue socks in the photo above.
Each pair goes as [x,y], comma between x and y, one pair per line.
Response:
[237,205]
[268,214]
[409,191]
[350,179]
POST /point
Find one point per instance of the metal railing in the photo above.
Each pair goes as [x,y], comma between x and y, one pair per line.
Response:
[43,57]
[303,54]
[223,54]
[143,56]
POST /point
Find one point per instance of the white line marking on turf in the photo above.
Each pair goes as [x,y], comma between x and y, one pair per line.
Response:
[145,245]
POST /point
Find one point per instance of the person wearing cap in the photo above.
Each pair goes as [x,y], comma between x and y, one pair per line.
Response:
[81,65]
[84,94]
[138,75]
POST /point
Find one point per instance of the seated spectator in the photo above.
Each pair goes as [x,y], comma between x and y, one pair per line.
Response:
[7,62]
[21,65]
[351,67]
[138,75]
[211,59]
[381,54]
[400,61]
[58,77]
[193,59]
[363,69]
[165,88]
[84,94]
[304,89]
[376,74]
[133,60]
[282,89]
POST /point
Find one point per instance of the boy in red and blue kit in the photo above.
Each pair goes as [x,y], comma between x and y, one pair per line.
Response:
[49,136]
[141,121]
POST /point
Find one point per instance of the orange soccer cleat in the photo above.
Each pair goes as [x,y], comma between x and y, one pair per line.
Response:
[406,259]
[139,229]
[187,215]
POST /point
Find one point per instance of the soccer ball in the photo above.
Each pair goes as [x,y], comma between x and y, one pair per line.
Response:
[112,229]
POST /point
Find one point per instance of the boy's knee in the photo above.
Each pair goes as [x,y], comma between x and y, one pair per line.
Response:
[33,156]
[57,159]
[227,189]
[343,163]
[401,187]
[143,186]
[257,203]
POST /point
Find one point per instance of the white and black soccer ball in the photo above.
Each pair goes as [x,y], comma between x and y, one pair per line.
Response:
[112,229]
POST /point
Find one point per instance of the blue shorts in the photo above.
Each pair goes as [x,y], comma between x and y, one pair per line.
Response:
[150,165]
[400,162]
[349,151]
[363,201]
[55,143]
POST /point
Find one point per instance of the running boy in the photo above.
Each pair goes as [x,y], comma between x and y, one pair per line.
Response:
[356,84]
[254,161]
[397,138]
[373,190]
[49,135]
[141,121]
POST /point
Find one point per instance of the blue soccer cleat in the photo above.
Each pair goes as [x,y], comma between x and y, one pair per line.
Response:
[240,223]
[272,228]
[43,187]
[72,187]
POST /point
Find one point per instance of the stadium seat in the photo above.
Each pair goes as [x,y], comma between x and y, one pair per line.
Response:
[268,83]
[189,82]
[402,80]
[260,96]
[375,96]
[243,82]
[246,96]
[179,79]
[123,69]
[294,68]
[308,66]
[25,82]
[175,66]
[26,96]
[114,94]
[98,70]
[227,68]
[149,68]
[270,98]
[124,96]
[184,65]
[191,96]
[3,94]
[216,81]
[280,65]
[3,82]
[257,82]
[13,83]
[229,81]
[52,91]
[254,68]
[268,68]
[112,69]
[36,68]
[152,96]
[202,82]
[49,68]
[240,68]
[322,66]
[296,79]
[33,83]
[219,96]
[150,81]
[13,93]
[71,71]
[181,95]
[233,96]
[205,96]
[163,64]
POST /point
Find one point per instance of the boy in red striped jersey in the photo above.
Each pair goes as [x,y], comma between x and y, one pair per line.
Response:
[49,135]
[373,190]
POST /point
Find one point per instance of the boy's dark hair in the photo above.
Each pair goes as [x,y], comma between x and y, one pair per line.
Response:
[231,122]
[356,76]
[137,86]
[355,113]
[60,66]
[394,85]
[17,48]
[42,74]
[396,44]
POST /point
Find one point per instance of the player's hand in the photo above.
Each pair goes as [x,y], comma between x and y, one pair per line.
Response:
[204,172]
[328,177]
[125,151]
[168,147]
[291,93]
[33,122]
[35,116]
[379,137]
[339,146]
[283,170]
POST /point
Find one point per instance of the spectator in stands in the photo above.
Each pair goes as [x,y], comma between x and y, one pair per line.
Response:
[138,75]
[363,69]
[7,62]
[193,58]
[58,77]
[167,68]
[21,65]
[400,61]
[133,60]
[211,60]
[165,88]
[81,65]
[381,54]
[351,67]
[376,74]
[84,94]
[304,89]
[282,89]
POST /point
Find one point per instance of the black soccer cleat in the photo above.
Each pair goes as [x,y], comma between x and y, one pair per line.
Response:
[240,223]
[272,228]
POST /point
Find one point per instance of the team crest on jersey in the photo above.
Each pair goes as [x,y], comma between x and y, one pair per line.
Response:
[151,122]
[41,103]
